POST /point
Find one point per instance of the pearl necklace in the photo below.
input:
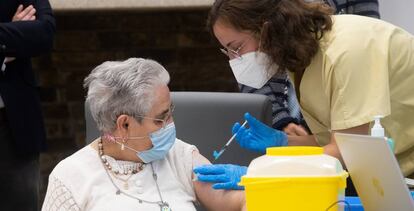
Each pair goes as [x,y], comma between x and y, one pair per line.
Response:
[163,205]
[114,171]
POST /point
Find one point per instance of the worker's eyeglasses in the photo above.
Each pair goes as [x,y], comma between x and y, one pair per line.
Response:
[161,122]
[233,53]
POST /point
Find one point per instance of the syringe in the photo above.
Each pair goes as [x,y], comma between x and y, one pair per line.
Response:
[216,154]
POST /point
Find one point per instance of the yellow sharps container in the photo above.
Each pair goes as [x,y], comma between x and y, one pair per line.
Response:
[295,179]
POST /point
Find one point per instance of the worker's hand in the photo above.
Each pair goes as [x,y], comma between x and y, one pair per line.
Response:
[225,176]
[293,129]
[258,136]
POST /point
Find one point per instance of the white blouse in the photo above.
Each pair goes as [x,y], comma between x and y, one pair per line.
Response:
[80,182]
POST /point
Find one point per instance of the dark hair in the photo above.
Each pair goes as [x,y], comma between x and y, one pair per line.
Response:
[289,30]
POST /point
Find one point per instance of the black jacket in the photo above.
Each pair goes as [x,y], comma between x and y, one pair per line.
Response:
[18,87]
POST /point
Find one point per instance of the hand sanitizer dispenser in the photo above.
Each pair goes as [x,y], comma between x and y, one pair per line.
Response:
[378,131]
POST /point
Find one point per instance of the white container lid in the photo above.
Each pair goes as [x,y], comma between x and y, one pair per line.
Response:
[294,162]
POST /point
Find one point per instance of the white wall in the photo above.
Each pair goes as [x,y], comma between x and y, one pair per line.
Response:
[398,12]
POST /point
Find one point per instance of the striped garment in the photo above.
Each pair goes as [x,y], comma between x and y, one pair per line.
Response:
[281,93]
[357,7]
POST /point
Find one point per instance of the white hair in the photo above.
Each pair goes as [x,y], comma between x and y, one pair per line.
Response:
[123,87]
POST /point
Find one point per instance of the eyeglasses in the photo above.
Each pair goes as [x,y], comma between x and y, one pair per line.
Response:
[234,53]
[161,122]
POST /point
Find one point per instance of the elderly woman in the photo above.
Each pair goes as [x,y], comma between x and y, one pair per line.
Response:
[137,163]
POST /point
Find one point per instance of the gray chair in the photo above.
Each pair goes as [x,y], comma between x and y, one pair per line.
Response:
[205,119]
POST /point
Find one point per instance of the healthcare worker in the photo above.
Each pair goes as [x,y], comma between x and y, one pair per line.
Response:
[286,114]
[346,70]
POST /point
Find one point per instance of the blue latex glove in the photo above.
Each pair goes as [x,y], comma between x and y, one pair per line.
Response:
[258,136]
[225,176]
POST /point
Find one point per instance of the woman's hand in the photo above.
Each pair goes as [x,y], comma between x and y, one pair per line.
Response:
[293,129]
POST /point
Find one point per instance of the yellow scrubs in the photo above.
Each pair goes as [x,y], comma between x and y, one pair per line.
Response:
[365,67]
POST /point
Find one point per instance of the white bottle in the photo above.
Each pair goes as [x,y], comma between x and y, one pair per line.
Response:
[378,131]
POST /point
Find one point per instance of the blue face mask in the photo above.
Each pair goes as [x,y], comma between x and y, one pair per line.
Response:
[162,141]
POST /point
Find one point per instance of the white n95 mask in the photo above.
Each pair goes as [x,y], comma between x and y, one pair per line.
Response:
[252,69]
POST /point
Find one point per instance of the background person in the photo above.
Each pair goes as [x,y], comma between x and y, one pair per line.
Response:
[26,30]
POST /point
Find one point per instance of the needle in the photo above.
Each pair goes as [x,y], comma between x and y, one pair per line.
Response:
[216,154]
